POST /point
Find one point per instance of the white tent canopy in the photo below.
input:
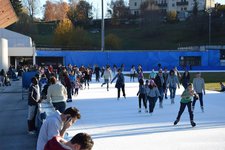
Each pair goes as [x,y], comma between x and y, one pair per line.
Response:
[15,39]
[19,46]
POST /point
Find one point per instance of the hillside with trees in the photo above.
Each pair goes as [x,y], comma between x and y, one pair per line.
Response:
[71,26]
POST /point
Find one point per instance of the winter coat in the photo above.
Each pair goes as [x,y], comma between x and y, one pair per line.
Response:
[107,74]
[154,92]
[141,90]
[160,82]
[172,81]
[119,81]
[199,85]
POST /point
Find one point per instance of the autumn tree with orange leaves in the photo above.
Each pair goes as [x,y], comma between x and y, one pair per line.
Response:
[62,35]
[55,11]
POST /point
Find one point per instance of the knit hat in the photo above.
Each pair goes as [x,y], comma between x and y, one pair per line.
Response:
[152,81]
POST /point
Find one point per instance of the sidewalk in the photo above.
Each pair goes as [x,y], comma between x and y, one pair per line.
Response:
[13,114]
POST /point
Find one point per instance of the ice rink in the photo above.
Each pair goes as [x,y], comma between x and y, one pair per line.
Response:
[117,125]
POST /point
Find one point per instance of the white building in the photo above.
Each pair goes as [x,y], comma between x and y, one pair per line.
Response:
[15,48]
[173,5]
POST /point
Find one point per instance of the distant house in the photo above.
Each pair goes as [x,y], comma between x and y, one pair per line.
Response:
[172,5]
[20,48]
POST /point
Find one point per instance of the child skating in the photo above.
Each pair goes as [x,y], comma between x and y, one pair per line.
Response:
[186,100]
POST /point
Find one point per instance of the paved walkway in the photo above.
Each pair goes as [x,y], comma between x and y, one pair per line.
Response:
[13,123]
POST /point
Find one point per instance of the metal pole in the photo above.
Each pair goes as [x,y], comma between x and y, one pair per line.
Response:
[210,12]
[103,28]
[209,28]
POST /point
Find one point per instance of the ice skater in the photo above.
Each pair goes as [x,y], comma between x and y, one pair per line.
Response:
[172,83]
[120,84]
[161,84]
[142,95]
[132,73]
[222,87]
[199,87]
[186,100]
[107,77]
[152,93]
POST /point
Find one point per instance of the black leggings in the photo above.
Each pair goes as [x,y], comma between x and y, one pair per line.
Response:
[123,90]
[152,101]
[142,97]
[132,76]
[60,106]
[182,108]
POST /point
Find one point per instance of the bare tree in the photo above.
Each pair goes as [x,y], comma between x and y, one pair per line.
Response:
[32,7]
[118,11]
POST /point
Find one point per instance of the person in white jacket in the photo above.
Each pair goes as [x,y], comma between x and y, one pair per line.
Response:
[132,73]
[57,95]
[107,77]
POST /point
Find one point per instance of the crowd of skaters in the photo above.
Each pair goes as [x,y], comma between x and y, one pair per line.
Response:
[58,85]
[156,87]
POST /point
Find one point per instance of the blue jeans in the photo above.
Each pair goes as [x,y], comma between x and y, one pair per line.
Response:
[161,92]
[200,99]
[172,92]
[106,81]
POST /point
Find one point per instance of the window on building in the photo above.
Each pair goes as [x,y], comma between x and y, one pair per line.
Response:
[185,8]
[222,54]
[190,60]
[181,9]
[173,5]
[136,13]
[135,3]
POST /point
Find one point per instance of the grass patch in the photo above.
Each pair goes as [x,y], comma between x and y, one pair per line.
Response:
[212,79]
[212,86]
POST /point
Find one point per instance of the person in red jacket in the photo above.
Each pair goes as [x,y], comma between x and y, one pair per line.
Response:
[81,141]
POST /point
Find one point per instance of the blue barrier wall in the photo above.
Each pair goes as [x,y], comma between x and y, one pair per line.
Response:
[148,59]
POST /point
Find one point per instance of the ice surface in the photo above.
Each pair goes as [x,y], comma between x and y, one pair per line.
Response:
[117,125]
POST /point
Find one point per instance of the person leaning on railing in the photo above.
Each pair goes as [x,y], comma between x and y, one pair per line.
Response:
[57,94]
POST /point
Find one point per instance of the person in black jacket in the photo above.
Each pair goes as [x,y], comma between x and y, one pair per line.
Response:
[161,84]
[120,84]
[142,95]
[97,73]
[33,99]
[185,79]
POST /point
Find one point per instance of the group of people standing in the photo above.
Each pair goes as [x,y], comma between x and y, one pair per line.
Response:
[45,86]
[51,134]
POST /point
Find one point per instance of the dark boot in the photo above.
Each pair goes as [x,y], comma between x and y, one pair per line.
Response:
[33,125]
[193,124]
[29,125]
[202,108]
[176,121]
